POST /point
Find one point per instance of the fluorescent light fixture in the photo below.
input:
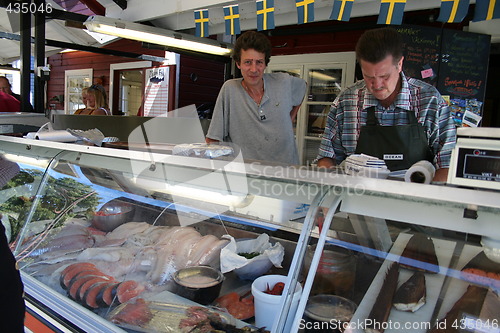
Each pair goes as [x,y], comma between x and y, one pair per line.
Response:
[9,70]
[144,33]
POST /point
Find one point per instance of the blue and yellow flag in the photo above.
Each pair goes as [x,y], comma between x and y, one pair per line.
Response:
[305,11]
[391,11]
[486,10]
[265,14]
[232,19]
[341,10]
[201,22]
[453,11]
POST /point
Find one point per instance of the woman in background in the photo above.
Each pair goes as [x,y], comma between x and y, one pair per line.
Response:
[96,101]
[84,100]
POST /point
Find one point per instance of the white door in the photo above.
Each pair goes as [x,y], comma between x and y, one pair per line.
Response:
[326,75]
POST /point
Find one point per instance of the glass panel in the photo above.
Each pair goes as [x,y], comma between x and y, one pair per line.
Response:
[131,85]
[294,72]
[93,228]
[325,84]
[316,120]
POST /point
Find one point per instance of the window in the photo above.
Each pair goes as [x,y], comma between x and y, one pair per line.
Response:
[74,82]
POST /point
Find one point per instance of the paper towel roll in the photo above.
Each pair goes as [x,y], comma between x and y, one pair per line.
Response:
[420,172]
[58,136]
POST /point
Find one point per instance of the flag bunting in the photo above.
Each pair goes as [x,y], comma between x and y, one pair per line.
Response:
[341,10]
[486,10]
[453,11]
[265,14]
[232,19]
[305,11]
[391,12]
[201,23]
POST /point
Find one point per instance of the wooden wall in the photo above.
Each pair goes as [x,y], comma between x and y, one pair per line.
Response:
[100,64]
[199,81]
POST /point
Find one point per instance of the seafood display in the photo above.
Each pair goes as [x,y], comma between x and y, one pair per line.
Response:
[240,307]
[477,307]
[483,271]
[420,254]
[411,286]
[410,296]
[383,304]
[147,316]
[99,269]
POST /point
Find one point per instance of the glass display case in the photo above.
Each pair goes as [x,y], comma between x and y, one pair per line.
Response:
[102,237]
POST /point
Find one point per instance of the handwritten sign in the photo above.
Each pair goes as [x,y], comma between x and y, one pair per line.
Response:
[454,61]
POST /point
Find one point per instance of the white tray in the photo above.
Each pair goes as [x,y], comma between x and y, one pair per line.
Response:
[419,321]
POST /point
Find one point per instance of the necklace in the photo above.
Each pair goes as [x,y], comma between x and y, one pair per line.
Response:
[256,96]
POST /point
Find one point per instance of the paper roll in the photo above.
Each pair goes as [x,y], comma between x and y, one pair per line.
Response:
[58,136]
[420,172]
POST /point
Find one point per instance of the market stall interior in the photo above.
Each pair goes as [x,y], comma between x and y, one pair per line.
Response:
[114,240]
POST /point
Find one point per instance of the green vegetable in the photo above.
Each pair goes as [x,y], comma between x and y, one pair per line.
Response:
[249,255]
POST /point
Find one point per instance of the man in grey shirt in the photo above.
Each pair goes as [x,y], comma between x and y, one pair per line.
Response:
[256,112]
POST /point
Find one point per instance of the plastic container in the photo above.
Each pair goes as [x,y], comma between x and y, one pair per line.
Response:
[266,306]
[328,313]
[336,271]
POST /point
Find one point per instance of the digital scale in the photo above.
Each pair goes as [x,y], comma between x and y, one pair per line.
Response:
[475,161]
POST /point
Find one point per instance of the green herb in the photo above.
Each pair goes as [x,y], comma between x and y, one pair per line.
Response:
[249,255]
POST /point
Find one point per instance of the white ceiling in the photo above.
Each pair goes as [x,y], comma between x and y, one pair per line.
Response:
[178,15]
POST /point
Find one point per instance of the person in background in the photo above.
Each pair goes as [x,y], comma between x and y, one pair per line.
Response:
[6,88]
[9,103]
[387,114]
[84,100]
[13,311]
[96,101]
[256,112]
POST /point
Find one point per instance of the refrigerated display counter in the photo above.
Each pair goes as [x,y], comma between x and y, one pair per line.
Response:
[100,235]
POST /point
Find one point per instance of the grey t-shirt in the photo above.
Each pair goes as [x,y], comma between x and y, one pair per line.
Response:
[262,132]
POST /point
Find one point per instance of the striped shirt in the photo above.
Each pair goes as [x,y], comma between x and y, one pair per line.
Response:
[348,114]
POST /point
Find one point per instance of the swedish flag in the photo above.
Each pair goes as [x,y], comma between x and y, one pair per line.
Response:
[391,11]
[232,19]
[201,22]
[453,11]
[341,10]
[305,11]
[486,10]
[265,14]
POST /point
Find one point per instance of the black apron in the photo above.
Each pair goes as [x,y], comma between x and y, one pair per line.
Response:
[399,146]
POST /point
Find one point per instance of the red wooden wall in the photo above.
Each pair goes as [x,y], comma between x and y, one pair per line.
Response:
[100,63]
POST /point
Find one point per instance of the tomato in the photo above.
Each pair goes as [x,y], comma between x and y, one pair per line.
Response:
[277,289]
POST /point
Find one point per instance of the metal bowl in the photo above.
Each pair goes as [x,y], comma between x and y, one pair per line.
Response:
[113,214]
[201,284]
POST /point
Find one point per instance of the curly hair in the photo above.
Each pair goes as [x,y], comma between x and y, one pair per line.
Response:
[375,45]
[252,40]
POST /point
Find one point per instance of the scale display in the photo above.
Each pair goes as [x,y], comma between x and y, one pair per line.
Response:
[475,162]
[480,164]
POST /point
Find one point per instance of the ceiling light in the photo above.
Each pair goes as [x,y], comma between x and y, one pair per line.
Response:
[144,33]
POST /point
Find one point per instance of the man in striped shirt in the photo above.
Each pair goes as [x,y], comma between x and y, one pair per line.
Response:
[393,98]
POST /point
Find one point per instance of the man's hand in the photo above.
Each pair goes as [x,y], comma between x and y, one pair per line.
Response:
[326,162]
[441,175]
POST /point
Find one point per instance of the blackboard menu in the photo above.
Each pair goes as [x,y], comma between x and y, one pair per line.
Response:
[462,73]
[455,62]
[422,49]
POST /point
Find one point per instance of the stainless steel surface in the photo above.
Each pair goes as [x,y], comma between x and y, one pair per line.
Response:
[113,214]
